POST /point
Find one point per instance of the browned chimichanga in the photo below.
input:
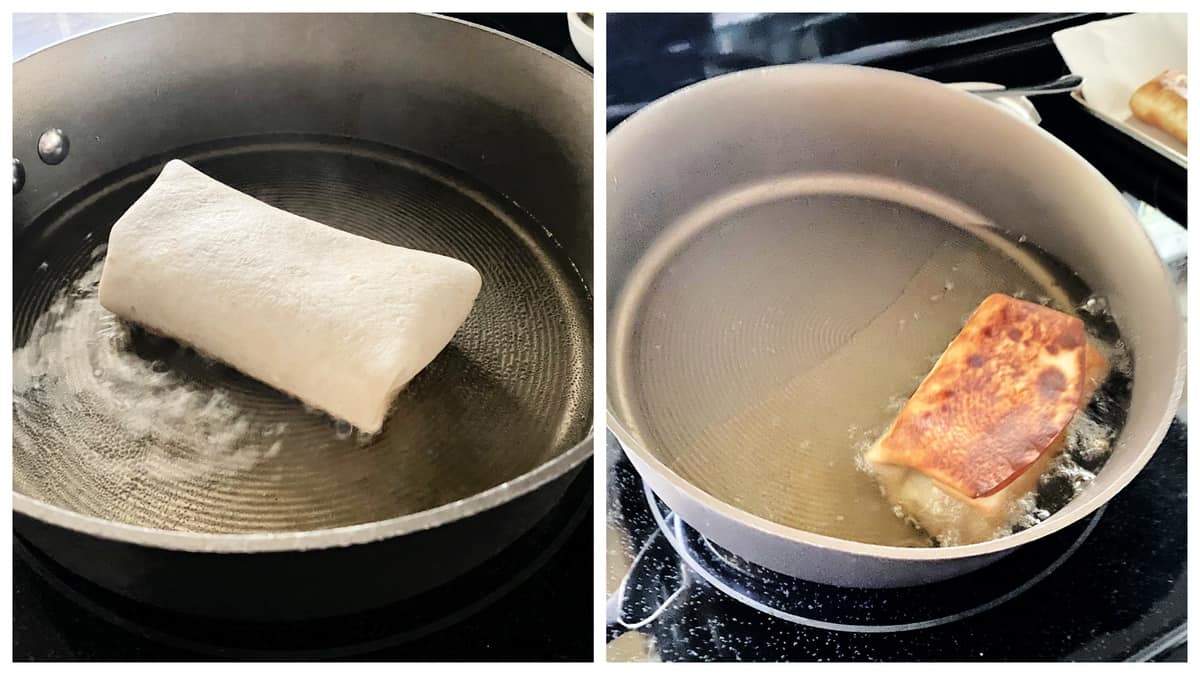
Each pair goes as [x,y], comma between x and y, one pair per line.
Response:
[987,420]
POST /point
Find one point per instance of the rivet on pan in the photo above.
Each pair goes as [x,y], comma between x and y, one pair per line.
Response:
[18,175]
[53,146]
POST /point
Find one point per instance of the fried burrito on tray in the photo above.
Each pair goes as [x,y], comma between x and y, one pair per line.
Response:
[988,420]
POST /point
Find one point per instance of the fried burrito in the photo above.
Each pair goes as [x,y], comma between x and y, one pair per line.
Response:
[988,420]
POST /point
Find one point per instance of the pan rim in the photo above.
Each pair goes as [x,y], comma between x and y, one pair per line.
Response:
[1086,506]
[561,60]
[265,542]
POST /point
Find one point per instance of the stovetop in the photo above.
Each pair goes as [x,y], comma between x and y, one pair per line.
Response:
[1112,587]
[499,611]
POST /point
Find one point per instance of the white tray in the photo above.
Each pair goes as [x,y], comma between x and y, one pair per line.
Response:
[1115,57]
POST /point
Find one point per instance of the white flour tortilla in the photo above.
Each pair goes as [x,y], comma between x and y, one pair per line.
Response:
[339,321]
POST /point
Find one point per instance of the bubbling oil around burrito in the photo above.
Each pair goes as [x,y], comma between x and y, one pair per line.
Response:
[766,350]
[509,394]
[1090,434]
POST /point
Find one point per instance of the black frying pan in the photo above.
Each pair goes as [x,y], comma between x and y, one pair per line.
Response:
[415,130]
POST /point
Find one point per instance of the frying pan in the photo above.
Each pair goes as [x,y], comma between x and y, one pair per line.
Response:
[770,240]
[415,130]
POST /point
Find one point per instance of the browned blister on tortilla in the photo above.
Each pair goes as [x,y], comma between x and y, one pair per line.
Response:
[1000,396]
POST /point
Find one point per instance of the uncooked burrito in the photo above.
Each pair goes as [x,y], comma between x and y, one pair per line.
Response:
[987,421]
[336,320]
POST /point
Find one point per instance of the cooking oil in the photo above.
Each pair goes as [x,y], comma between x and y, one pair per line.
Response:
[842,304]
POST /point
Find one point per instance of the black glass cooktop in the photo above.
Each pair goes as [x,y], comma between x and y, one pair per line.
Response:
[1112,587]
[548,31]
[499,611]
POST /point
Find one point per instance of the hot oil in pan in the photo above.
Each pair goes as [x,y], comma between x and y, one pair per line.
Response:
[111,421]
[760,351]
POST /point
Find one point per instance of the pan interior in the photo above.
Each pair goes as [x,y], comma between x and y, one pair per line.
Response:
[764,341]
[110,421]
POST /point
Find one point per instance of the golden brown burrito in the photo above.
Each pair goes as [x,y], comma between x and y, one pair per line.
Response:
[987,420]
[1162,102]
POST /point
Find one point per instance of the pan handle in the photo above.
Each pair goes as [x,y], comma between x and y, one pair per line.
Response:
[655,580]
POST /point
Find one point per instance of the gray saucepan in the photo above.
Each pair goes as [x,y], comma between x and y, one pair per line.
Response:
[761,225]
